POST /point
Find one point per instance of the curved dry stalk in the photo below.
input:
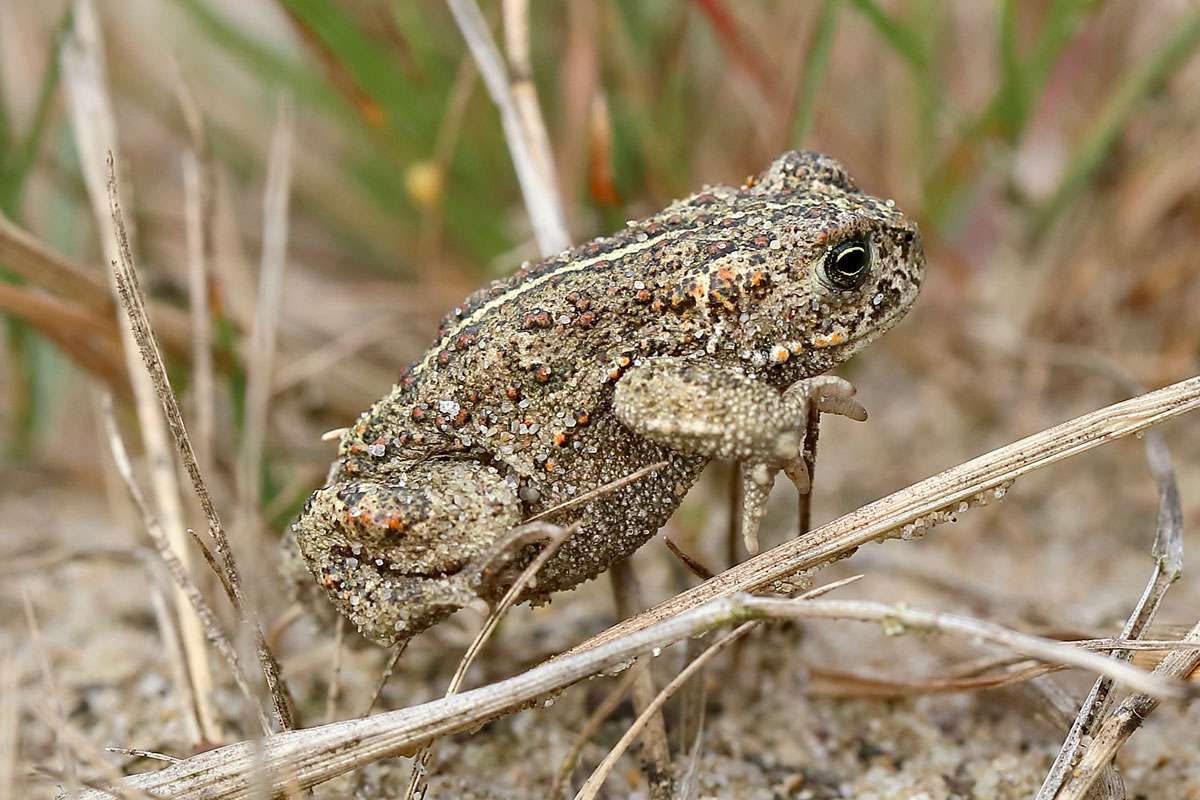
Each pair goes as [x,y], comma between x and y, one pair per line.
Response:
[944,491]
[94,124]
[1121,724]
[129,292]
[185,586]
[555,537]
[1167,552]
[592,786]
[607,706]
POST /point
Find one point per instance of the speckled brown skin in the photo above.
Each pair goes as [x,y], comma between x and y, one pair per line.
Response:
[672,340]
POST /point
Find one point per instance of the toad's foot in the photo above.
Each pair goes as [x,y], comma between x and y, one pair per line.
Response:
[719,412]
[828,394]
[398,554]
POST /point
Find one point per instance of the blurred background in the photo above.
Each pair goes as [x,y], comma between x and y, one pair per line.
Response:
[1049,150]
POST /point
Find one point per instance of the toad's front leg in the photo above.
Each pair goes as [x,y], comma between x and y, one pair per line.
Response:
[719,412]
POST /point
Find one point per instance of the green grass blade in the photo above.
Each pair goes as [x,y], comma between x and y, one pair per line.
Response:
[902,38]
[16,169]
[1012,98]
[271,66]
[1102,134]
[815,64]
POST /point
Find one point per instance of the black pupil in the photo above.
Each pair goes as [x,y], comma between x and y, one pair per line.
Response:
[847,265]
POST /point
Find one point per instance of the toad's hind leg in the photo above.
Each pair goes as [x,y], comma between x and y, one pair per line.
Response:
[394,554]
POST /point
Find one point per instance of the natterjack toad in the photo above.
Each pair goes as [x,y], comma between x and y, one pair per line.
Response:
[694,334]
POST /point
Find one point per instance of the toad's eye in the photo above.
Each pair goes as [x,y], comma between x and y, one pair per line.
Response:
[847,264]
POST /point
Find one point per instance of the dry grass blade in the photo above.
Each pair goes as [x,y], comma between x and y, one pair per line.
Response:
[591,787]
[555,536]
[10,736]
[179,573]
[135,752]
[540,193]
[1168,566]
[948,489]
[1123,722]
[185,691]
[266,317]
[133,302]
[695,567]
[830,683]
[590,726]
[55,717]
[601,491]
[386,675]
[95,128]
[897,619]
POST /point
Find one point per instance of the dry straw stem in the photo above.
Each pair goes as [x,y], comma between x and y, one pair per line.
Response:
[591,787]
[1121,724]
[178,572]
[880,519]
[95,129]
[655,756]
[10,735]
[197,269]
[132,300]
[1167,552]
[653,709]
[312,756]
[27,256]
[198,207]
[607,706]
[530,154]
[260,366]
[186,694]
[555,536]
[90,339]
[525,100]
[202,372]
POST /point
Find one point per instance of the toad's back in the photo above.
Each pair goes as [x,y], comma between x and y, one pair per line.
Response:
[513,406]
